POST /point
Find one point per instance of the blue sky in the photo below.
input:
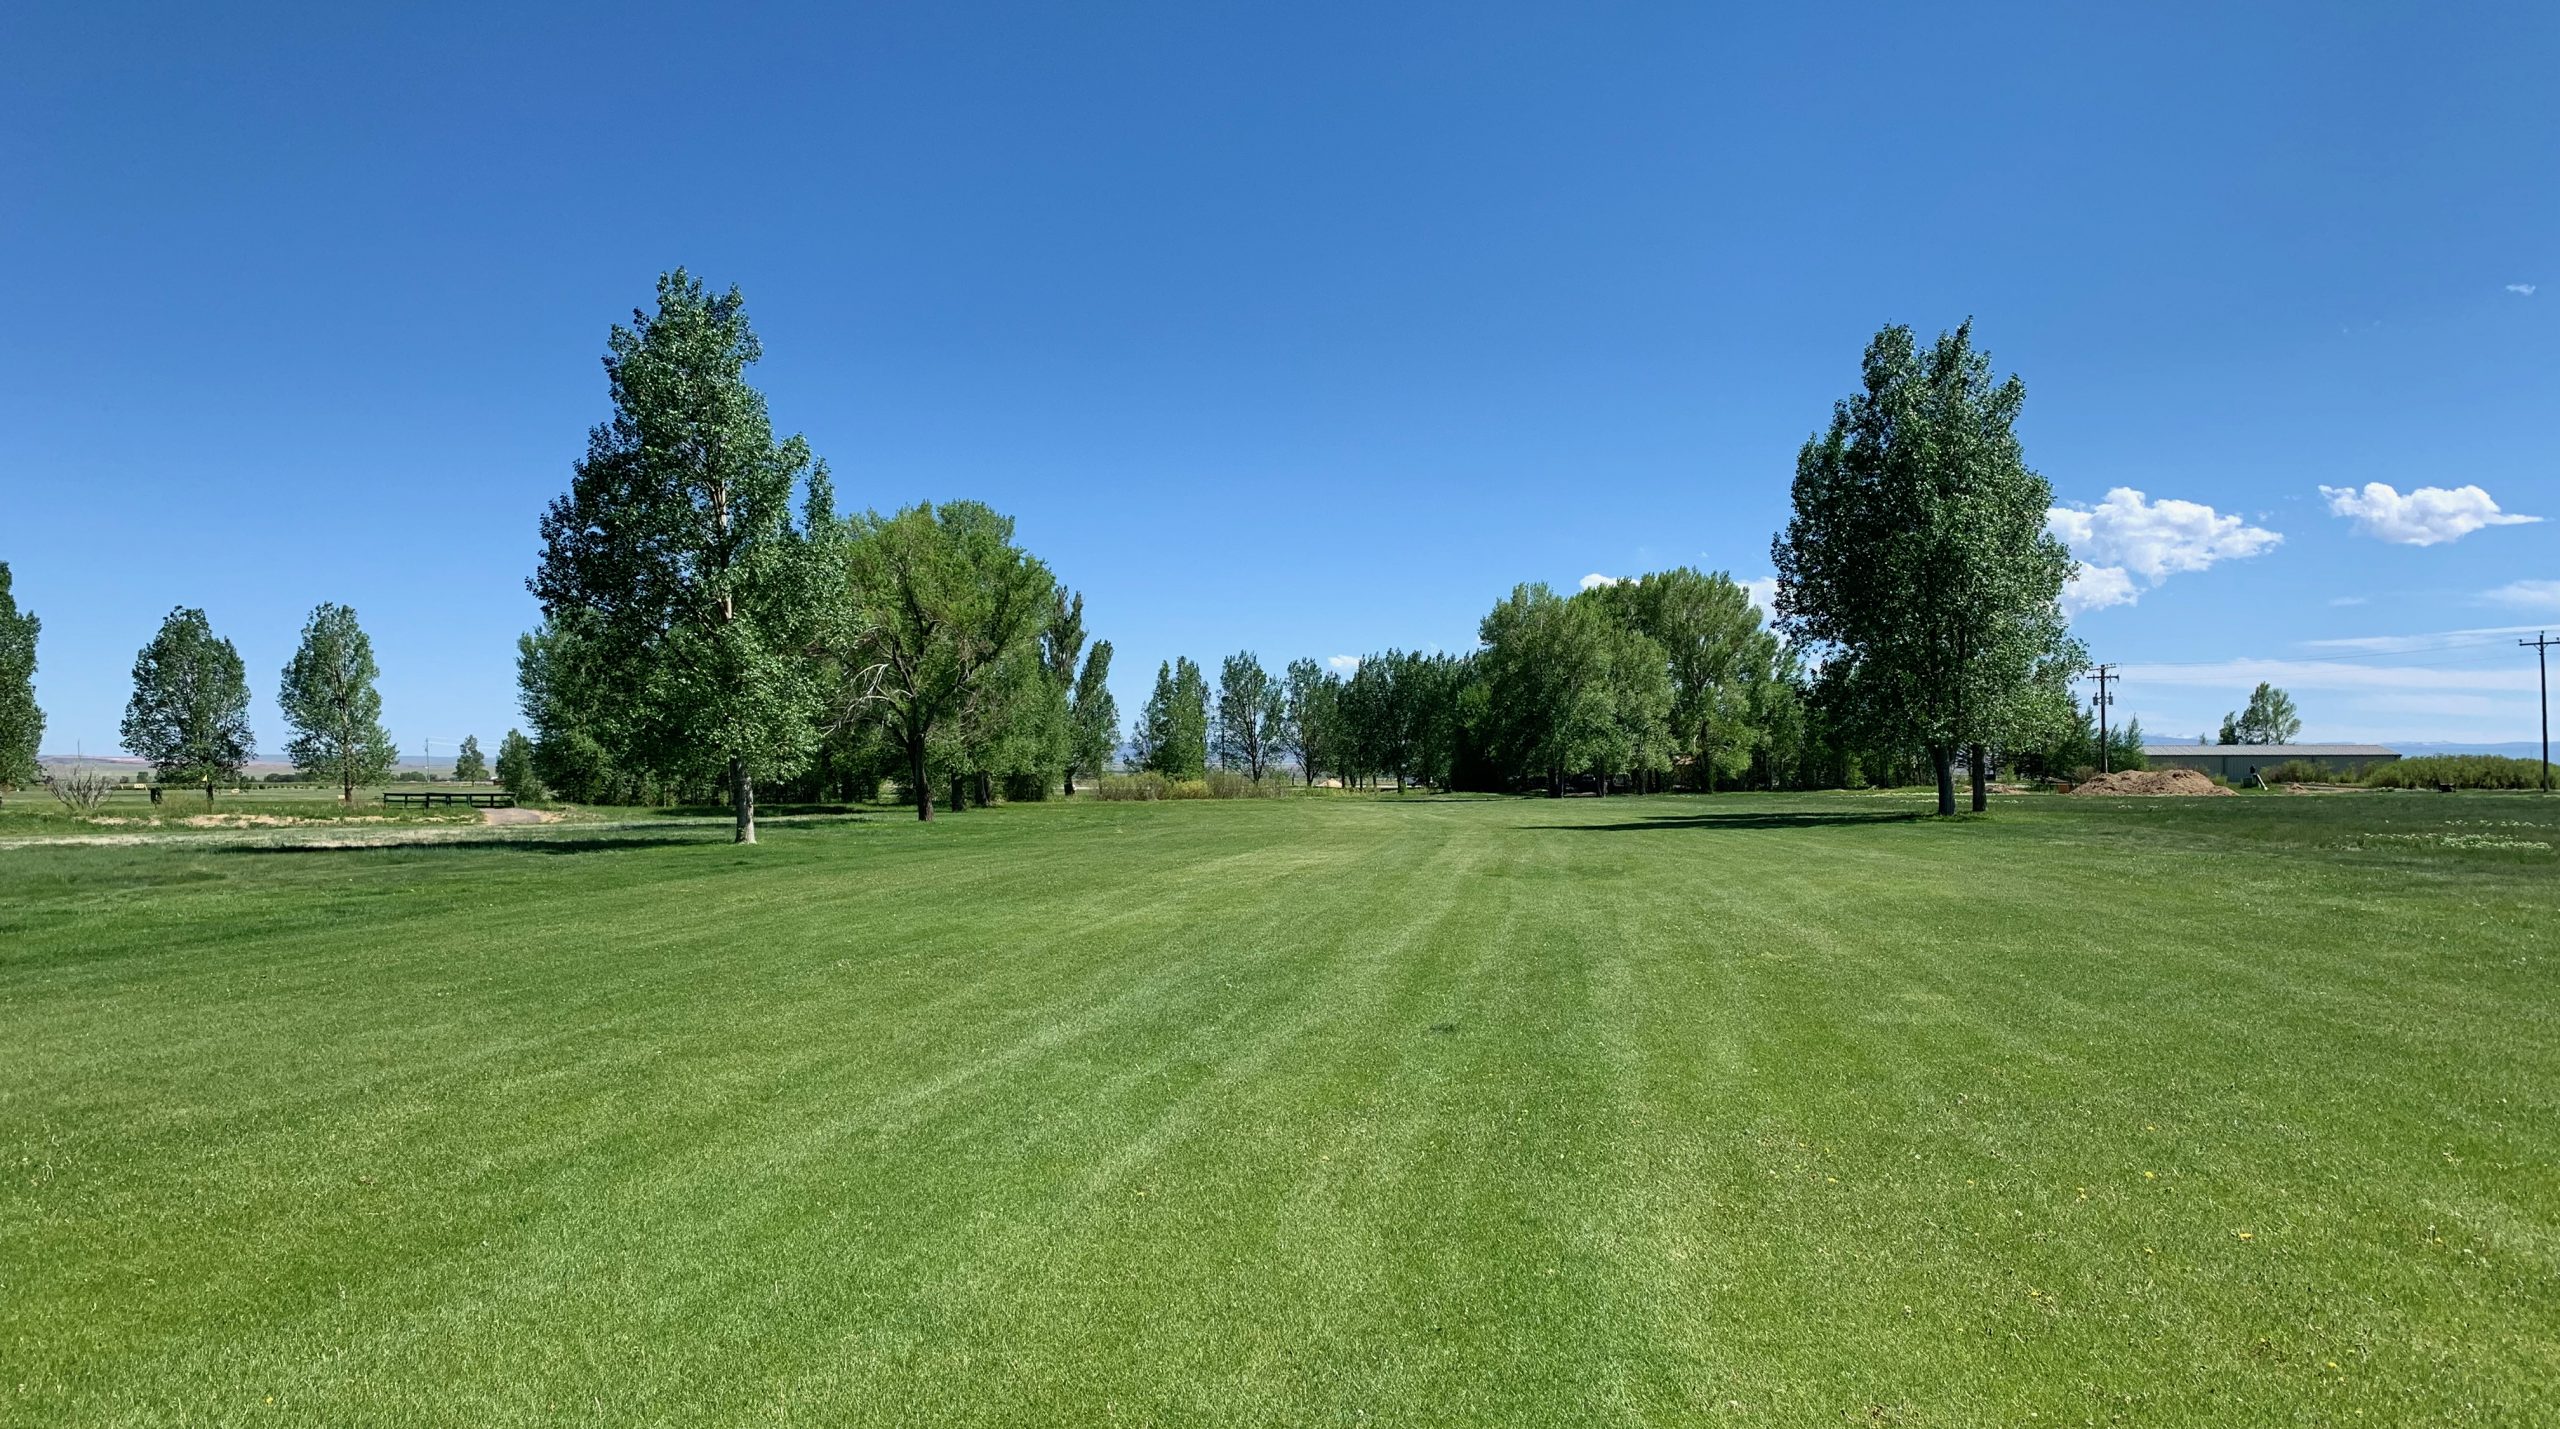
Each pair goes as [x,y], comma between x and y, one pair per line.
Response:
[1307,329]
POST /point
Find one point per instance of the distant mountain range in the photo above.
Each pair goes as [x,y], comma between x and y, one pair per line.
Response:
[2513,749]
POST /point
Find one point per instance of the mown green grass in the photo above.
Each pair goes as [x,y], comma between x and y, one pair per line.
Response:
[1743,1109]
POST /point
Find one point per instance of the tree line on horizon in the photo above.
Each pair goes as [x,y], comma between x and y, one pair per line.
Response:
[712,623]
[713,626]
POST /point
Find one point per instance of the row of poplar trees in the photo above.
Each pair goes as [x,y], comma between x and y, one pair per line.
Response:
[1918,628]
[711,622]
[1668,678]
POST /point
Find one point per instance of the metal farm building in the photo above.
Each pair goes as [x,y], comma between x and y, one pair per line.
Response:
[2235,761]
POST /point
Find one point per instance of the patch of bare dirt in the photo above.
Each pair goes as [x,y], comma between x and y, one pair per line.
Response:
[2154,784]
[518,816]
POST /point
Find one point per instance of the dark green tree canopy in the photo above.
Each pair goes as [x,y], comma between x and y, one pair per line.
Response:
[1249,715]
[189,714]
[515,768]
[945,622]
[2269,719]
[1173,730]
[1093,716]
[21,723]
[331,706]
[1917,548]
[469,764]
[1307,710]
[677,553]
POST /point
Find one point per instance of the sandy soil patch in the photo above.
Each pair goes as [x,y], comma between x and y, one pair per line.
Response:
[2154,783]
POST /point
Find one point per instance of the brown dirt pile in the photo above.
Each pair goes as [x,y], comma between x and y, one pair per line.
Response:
[2153,783]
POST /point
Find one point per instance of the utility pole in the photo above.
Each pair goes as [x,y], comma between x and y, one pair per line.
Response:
[2541,645]
[2106,751]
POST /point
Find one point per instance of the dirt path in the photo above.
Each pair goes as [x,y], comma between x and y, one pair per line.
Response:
[516,816]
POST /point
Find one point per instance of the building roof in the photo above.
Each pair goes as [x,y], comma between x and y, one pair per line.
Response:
[2273,751]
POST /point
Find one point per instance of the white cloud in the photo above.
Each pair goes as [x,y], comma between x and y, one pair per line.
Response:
[2533,595]
[2129,535]
[1763,593]
[2345,600]
[2522,290]
[1595,580]
[2097,587]
[1343,662]
[2427,516]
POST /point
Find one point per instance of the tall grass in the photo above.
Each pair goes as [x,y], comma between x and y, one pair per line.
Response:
[1147,786]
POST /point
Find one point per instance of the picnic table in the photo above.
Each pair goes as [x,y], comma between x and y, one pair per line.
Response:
[462,798]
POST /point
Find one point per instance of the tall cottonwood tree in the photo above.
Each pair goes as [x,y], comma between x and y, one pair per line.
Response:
[470,766]
[678,556]
[1249,714]
[1918,550]
[1093,717]
[1173,728]
[1306,715]
[2269,719]
[331,706]
[189,714]
[1547,669]
[1710,636]
[515,767]
[943,611]
[21,722]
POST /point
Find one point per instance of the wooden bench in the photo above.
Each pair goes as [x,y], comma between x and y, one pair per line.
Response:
[429,798]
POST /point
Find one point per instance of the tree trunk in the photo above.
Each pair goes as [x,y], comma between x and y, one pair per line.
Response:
[1071,781]
[1943,758]
[1555,783]
[1399,783]
[959,792]
[208,791]
[923,786]
[986,789]
[743,795]
[1981,792]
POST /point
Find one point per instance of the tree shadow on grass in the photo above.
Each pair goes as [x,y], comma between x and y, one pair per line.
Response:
[593,843]
[1761,820]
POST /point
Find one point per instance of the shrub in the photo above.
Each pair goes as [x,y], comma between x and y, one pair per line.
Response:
[2462,771]
[1146,786]
[1215,784]
[80,789]
[2304,771]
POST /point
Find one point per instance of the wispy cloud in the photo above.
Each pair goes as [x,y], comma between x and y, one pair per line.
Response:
[2426,516]
[2431,640]
[2129,535]
[2521,290]
[1343,662]
[2242,674]
[2532,595]
[2346,600]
